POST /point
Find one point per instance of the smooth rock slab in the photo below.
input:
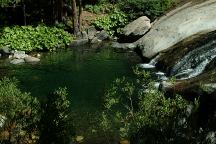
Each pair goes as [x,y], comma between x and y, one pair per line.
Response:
[17,61]
[193,18]
[31,59]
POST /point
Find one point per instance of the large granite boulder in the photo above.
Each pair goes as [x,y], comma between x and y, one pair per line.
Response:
[135,30]
[190,19]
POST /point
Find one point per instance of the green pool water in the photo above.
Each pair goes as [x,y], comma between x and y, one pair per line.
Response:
[87,73]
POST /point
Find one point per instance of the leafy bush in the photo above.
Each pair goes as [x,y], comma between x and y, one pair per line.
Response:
[28,38]
[150,8]
[56,123]
[100,8]
[4,3]
[22,111]
[112,23]
[143,114]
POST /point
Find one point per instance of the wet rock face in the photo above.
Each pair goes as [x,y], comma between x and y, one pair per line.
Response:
[183,22]
[186,55]
[193,63]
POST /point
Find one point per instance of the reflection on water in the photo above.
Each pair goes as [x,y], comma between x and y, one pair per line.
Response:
[86,73]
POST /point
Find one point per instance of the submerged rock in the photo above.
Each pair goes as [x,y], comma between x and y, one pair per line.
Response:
[31,59]
[124,46]
[17,61]
[79,42]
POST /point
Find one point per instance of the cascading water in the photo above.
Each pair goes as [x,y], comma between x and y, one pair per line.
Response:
[151,64]
[160,76]
[193,63]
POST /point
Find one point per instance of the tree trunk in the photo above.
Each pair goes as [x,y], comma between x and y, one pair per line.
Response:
[24,12]
[80,13]
[75,18]
[60,10]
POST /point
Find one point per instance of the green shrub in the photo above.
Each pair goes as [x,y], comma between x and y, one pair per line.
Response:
[28,38]
[4,3]
[112,23]
[141,113]
[22,116]
[150,8]
[21,110]
[56,125]
[100,8]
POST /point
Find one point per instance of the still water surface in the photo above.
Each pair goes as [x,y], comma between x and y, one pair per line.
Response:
[87,74]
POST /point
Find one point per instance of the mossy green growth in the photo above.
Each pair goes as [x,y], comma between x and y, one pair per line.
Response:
[29,38]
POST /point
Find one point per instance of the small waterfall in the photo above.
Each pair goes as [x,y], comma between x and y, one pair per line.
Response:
[151,64]
[193,63]
[158,75]
[155,60]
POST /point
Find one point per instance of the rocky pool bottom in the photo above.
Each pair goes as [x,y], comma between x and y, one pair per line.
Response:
[86,72]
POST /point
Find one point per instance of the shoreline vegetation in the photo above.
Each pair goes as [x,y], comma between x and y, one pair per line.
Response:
[134,110]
